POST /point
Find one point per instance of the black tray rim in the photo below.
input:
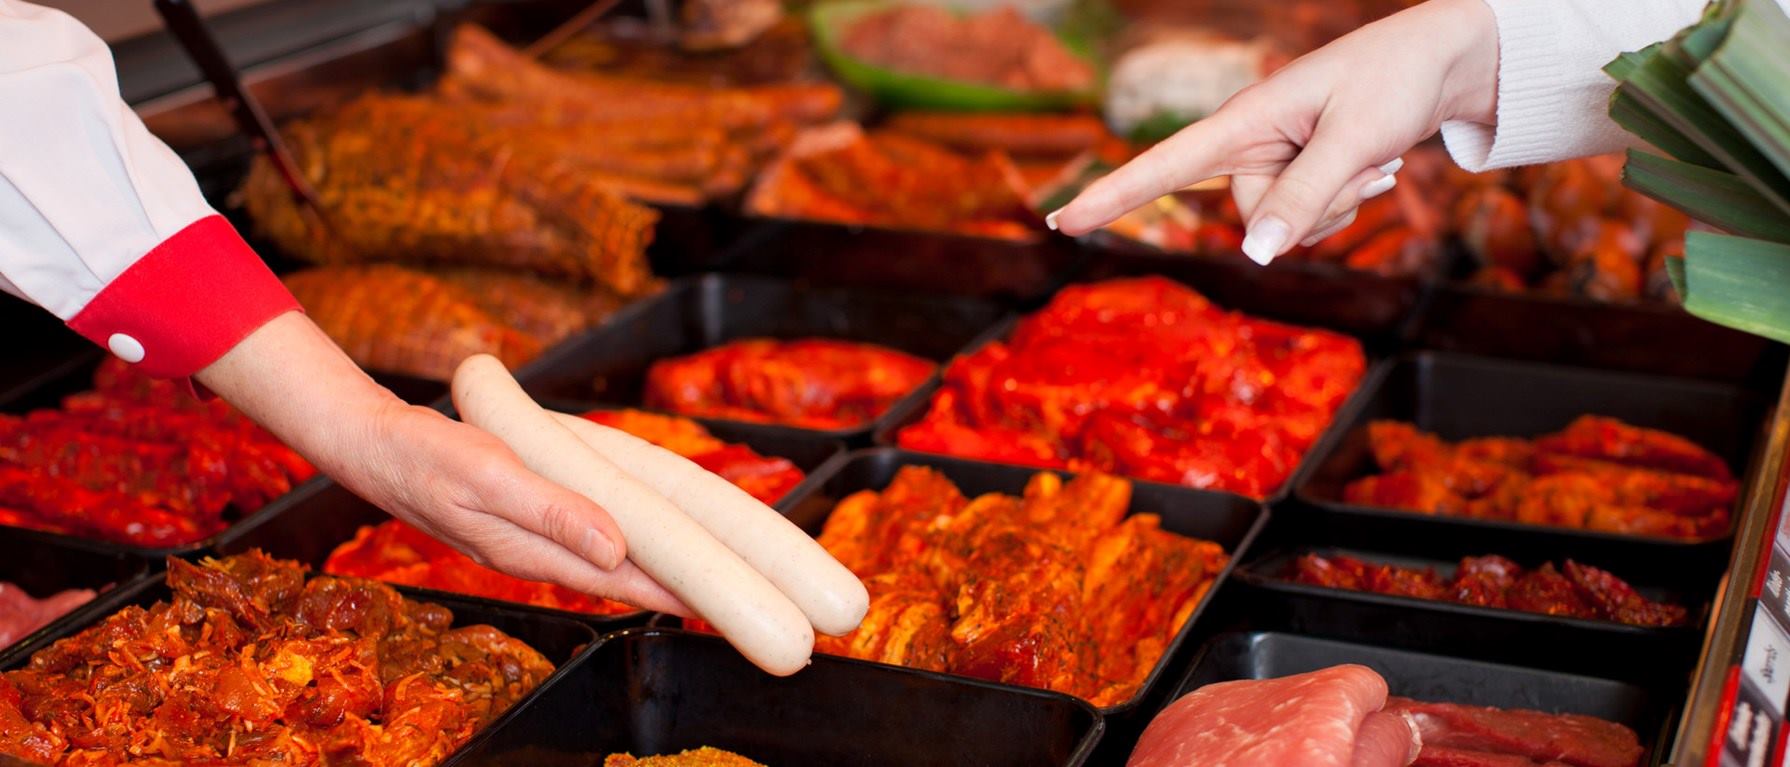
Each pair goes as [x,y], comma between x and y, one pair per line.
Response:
[1251,574]
[1302,501]
[862,433]
[1084,747]
[1132,705]
[46,634]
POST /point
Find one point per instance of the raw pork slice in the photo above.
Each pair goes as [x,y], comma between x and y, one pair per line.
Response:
[1476,736]
[1307,720]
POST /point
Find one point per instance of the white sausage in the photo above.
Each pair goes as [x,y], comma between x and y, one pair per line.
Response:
[830,595]
[666,543]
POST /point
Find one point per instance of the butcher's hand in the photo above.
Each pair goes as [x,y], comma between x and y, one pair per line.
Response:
[1305,146]
[451,480]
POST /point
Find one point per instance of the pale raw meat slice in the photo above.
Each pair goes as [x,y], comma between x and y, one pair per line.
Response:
[1386,739]
[1306,720]
[1573,739]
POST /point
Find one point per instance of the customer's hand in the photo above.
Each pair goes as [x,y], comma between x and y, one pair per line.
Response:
[449,479]
[1305,146]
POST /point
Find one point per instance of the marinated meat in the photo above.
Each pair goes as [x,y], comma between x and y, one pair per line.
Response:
[251,664]
[838,173]
[1598,473]
[424,322]
[395,552]
[1324,718]
[1574,591]
[1145,377]
[1057,588]
[140,462]
[1017,134]
[998,47]
[698,757]
[816,383]
[1476,736]
[766,478]
[21,614]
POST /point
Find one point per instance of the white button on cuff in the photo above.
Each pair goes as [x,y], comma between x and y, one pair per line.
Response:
[127,348]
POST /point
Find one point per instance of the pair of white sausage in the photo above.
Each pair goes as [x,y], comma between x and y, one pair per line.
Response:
[764,584]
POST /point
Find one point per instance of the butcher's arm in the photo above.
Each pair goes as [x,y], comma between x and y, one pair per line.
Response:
[1553,97]
[102,225]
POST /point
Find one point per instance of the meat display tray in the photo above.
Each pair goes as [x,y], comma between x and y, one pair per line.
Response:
[76,376]
[940,262]
[656,691]
[607,366]
[1531,639]
[1654,338]
[910,410]
[1381,310]
[1458,396]
[43,568]
[561,641]
[1434,678]
[1231,521]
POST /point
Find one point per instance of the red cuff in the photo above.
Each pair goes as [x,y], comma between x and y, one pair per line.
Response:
[186,302]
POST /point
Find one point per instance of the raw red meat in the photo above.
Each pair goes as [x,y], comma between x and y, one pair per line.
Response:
[1477,736]
[1307,720]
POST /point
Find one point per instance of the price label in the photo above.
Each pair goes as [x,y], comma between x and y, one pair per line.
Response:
[1766,665]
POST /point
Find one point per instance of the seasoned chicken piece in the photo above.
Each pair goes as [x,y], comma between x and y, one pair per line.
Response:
[869,532]
[818,383]
[698,757]
[1612,440]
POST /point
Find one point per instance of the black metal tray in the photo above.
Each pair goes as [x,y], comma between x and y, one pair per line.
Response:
[937,262]
[1589,646]
[654,691]
[74,376]
[1230,520]
[1457,397]
[43,568]
[563,642]
[1655,338]
[1382,310]
[607,366]
[1434,678]
[911,410]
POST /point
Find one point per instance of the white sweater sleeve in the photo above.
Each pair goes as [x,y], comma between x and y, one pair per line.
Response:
[85,189]
[1553,96]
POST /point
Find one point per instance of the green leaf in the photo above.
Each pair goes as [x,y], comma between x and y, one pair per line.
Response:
[1628,112]
[1737,282]
[1720,199]
[1747,78]
[1658,81]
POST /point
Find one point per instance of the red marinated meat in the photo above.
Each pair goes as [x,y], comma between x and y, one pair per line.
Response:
[1306,720]
[1478,736]
[1493,581]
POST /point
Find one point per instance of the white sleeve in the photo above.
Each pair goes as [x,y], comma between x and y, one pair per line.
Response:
[85,189]
[1553,96]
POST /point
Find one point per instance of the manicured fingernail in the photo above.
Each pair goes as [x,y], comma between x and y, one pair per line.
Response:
[599,549]
[1266,238]
[1051,220]
[1392,167]
[1378,186]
